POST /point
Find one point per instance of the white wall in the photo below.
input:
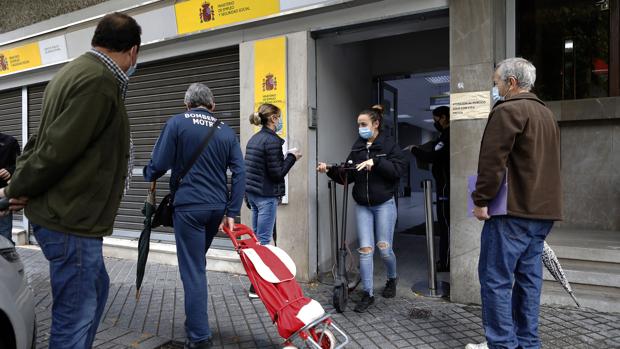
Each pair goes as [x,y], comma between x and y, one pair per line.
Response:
[344,86]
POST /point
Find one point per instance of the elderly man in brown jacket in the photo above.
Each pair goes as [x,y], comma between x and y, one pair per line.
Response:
[522,141]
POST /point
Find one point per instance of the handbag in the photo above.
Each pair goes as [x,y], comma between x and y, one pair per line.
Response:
[164,212]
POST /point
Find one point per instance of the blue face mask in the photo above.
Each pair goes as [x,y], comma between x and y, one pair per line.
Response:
[132,69]
[495,95]
[365,132]
[279,125]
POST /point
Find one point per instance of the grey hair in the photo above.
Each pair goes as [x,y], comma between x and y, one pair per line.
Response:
[519,68]
[198,94]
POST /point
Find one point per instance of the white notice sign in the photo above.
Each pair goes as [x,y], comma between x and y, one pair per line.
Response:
[53,50]
[470,105]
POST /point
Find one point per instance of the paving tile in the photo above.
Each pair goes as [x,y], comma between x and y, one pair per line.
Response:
[157,318]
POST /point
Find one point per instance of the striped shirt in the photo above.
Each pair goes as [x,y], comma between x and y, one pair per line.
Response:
[123,82]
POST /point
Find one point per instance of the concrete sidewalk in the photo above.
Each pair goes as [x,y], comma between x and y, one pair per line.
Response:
[237,322]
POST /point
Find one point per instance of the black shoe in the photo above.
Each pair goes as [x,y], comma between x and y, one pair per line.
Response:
[390,288]
[252,293]
[206,344]
[366,301]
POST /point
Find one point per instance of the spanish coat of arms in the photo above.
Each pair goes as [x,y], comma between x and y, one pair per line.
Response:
[4,63]
[270,83]
[207,13]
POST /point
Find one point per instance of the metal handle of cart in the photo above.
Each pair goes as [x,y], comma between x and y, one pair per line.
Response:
[237,232]
[326,323]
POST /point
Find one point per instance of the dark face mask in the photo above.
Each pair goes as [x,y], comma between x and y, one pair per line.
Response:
[437,126]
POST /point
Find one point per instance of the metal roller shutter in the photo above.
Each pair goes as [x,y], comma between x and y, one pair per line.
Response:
[35,102]
[11,120]
[11,113]
[155,93]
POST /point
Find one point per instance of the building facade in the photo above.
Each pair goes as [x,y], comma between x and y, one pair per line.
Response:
[341,56]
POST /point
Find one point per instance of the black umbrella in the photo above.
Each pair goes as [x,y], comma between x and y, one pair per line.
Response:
[145,237]
[550,260]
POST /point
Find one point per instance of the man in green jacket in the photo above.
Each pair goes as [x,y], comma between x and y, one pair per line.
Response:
[74,175]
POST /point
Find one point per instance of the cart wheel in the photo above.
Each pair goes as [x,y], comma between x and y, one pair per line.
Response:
[326,338]
[340,298]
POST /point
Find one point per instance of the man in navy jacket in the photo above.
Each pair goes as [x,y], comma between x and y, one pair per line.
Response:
[202,202]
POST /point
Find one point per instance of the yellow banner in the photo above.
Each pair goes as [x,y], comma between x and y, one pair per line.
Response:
[195,15]
[20,58]
[270,76]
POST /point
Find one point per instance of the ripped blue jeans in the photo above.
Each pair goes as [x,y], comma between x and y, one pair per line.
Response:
[376,224]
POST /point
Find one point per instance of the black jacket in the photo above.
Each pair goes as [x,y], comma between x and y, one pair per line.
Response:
[380,184]
[9,151]
[265,164]
[438,154]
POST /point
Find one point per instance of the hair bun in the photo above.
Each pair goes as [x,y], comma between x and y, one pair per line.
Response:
[255,118]
[378,107]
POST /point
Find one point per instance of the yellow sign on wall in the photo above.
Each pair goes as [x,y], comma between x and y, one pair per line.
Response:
[270,76]
[20,58]
[195,15]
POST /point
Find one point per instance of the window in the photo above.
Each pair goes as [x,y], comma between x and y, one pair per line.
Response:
[572,45]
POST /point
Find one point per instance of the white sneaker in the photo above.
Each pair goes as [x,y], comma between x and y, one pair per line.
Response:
[477,346]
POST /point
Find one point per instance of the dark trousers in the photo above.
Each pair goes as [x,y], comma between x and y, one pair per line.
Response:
[443,218]
[6,227]
[194,232]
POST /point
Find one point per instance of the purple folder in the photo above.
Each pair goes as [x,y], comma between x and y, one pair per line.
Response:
[498,206]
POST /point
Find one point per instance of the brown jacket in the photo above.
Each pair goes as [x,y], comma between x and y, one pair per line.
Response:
[523,136]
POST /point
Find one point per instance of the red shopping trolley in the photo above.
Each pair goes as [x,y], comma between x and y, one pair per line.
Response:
[300,320]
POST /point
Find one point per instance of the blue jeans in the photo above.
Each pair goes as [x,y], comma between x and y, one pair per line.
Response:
[264,210]
[80,285]
[510,271]
[376,223]
[193,233]
[6,227]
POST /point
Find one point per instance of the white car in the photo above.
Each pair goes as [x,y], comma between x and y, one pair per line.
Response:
[17,317]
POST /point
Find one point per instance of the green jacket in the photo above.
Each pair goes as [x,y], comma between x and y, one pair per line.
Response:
[74,171]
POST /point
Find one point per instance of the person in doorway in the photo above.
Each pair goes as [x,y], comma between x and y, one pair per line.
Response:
[437,153]
[202,203]
[379,164]
[522,140]
[9,151]
[266,168]
[74,174]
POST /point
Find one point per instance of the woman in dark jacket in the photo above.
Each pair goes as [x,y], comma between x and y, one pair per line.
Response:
[379,163]
[266,168]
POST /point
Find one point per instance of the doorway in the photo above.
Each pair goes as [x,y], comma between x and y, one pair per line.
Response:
[397,65]
[412,99]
